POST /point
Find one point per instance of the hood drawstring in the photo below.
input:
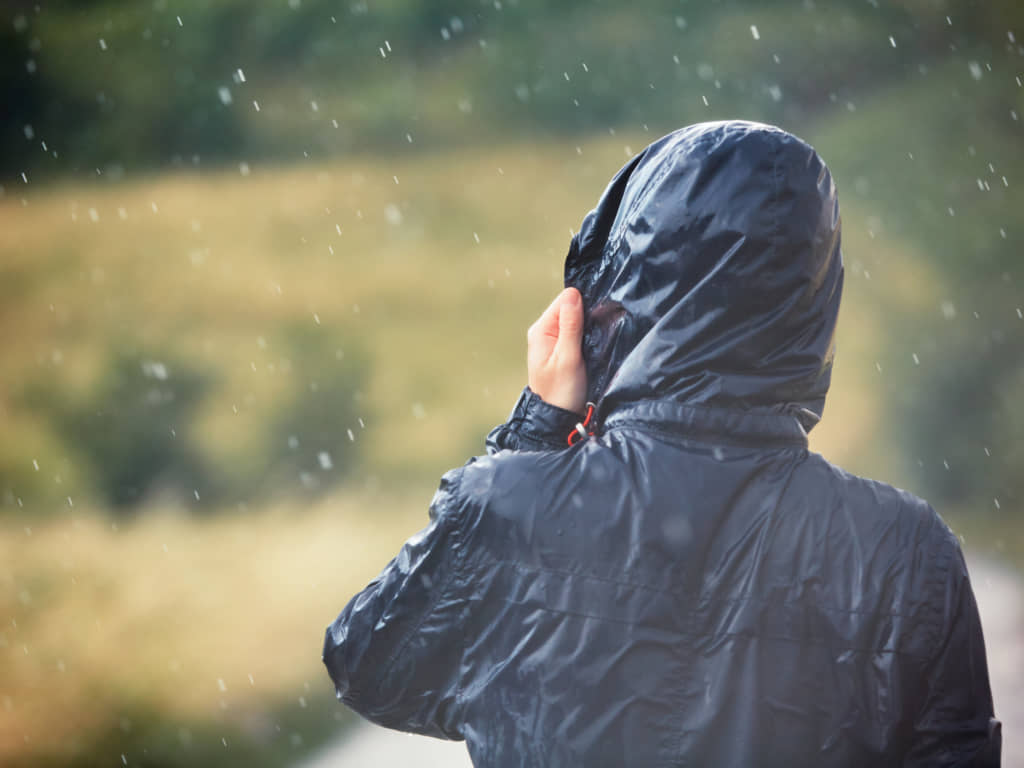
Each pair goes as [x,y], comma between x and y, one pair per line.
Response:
[581,432]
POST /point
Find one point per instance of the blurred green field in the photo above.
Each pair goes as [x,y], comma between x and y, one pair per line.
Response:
[176,639]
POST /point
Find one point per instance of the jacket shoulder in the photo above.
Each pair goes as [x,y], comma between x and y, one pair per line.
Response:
[874,501]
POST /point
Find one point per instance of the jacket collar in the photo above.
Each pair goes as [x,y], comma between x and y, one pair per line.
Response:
[756,426]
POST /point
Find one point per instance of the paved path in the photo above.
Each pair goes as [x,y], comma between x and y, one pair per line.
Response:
[1000,594]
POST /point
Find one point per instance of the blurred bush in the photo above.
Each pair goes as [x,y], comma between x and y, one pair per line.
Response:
[133,437]
[123,86]
[311,436]
[132,431]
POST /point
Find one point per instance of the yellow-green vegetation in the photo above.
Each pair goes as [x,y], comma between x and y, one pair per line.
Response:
[159,638]
[139,637]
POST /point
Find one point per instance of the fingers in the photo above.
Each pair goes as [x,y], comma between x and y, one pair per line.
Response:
[570,325]
[554,354]
[547,323]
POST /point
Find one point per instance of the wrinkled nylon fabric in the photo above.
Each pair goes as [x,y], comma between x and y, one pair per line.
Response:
[690,585]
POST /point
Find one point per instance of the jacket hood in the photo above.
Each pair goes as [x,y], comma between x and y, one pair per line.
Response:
[711,274]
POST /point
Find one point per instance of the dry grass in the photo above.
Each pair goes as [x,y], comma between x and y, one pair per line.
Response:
[217,620]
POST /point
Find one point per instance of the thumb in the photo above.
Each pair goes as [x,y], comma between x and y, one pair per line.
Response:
[570,324]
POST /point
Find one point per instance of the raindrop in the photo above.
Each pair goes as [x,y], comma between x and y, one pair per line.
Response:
[757,35]
[240,75]
[892,41]
[324,459]
[975,69]
[103,44]
[392,214]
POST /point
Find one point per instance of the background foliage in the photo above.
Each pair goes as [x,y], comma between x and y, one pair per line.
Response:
[265,267]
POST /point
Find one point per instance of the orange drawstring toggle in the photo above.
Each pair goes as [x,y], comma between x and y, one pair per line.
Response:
[580,431]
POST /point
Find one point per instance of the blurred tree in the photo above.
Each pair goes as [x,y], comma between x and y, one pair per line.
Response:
[312,435]
[132,429]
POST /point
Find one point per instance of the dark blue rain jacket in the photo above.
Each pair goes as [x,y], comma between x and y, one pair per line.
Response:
[688,586]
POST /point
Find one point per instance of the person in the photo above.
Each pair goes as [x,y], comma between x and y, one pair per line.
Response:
[649,567]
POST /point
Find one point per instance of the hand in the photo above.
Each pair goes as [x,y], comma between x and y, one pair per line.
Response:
[554,353]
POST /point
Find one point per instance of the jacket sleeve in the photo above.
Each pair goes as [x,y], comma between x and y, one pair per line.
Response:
[533,425]
[955,725]
[394,651]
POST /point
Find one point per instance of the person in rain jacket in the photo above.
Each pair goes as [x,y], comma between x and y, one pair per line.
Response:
[668,576]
